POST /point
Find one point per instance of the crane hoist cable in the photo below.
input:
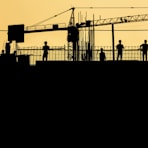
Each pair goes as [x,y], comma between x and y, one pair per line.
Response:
[52,17]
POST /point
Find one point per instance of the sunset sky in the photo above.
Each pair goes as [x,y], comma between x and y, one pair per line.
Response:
[30,12]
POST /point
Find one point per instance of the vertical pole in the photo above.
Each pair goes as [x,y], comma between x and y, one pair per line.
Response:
[89,48]
[93,50]
[74,50]
[113,42]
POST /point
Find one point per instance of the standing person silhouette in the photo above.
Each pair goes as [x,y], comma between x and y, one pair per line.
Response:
[144,48]
[45,51]
[102,55]
[120,48]
[8,47]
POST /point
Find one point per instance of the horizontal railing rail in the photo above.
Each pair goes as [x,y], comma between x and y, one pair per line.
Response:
[62,53]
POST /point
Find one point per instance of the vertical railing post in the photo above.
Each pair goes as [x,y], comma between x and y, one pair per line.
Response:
[113,42]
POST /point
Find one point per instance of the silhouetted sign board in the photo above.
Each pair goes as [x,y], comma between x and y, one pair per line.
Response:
[73,34]
[16,33]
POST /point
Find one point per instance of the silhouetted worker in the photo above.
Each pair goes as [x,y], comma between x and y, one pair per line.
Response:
[14,53]
[7,48]
[102,55]
[120,48]
[144,48]
[3,52]
[45,52]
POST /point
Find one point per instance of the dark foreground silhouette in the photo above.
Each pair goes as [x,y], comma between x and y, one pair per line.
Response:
[73,73]
[74,96]
[72,77]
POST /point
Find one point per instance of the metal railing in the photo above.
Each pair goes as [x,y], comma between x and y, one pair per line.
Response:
[63,54]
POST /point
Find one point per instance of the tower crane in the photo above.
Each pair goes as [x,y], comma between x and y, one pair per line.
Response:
[73,28]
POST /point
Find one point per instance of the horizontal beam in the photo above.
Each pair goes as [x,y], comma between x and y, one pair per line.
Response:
[44,30]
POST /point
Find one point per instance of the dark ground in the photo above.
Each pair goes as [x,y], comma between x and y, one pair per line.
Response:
[124,80]
[68,100]
[61,74]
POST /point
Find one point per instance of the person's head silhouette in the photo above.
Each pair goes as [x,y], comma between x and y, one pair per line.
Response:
[101,49]
[45,42]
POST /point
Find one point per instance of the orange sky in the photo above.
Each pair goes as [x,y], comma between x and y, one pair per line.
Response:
[29,12]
